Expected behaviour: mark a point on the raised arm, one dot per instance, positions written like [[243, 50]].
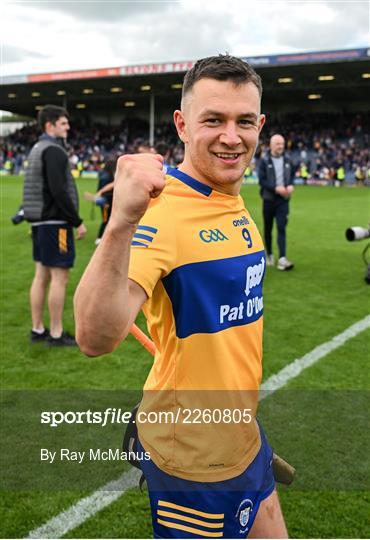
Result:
[[107, 187], [106, 302]]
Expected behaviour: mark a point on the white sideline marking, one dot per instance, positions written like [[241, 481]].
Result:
[[87, 507], [277, 381], [91, 505]]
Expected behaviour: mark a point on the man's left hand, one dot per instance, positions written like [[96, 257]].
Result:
[[81, 231]]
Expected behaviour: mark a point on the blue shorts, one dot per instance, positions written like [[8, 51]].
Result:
[[186, 509], [53, 245]]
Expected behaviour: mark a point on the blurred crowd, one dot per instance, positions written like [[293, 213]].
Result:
[[325, 147]]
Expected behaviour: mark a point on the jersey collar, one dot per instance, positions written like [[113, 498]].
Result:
[[189, 181]]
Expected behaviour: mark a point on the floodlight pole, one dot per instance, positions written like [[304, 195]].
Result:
[[151, 119]]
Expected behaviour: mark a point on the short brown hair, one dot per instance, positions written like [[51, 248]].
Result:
[[223, 67], [50, 113]]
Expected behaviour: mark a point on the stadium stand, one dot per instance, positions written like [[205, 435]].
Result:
[[317, 100], [324, 147]]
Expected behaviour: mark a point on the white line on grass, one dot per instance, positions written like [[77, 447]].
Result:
[[297, 366], [87, 507], [91, 505]]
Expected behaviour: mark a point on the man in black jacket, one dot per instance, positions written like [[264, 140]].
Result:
[[276, 178], [50, 201]]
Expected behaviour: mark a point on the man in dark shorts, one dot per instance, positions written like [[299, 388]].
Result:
[[182, 246], [50, 202]]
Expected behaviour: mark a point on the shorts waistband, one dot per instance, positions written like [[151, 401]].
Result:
[[49, 222]]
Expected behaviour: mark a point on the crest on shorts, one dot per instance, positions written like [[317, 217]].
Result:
[[243, 513]]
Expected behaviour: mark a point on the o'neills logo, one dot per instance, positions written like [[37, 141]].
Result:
[[254, 276], [241, 222]]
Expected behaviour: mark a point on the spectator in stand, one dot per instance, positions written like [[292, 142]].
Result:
[[164, 150], [328, 137], [178, 153], [360, 175], [303, 172], [276, 178], [144, 148], [340, 174]]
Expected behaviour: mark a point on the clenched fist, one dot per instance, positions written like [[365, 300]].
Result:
[[138, 178], [284, 191]]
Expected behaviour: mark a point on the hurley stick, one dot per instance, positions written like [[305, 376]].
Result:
[[283, 471]]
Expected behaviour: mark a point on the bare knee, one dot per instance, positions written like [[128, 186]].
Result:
[[59, 276], [269, 522], [42, 274]]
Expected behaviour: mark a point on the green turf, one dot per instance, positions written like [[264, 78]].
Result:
[[36, 367], [320, 298]]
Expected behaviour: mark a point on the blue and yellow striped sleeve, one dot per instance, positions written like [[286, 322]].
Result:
[[153, 247]]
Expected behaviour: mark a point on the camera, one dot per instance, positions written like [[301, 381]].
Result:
[[357, 233], [19, 216], [361, 233]]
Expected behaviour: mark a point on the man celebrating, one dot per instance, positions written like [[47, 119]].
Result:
[[183, 247], [50, 203], [276, 178]]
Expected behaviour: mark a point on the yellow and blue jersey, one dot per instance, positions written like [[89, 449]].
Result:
[[198, 255]]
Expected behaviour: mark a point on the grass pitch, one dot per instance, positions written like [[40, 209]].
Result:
[[317, 422]]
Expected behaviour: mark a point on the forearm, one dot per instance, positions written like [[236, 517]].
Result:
[[103, 309], [106, 301], [106, 188]]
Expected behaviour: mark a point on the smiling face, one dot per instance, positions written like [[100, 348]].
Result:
[[219, 124]]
